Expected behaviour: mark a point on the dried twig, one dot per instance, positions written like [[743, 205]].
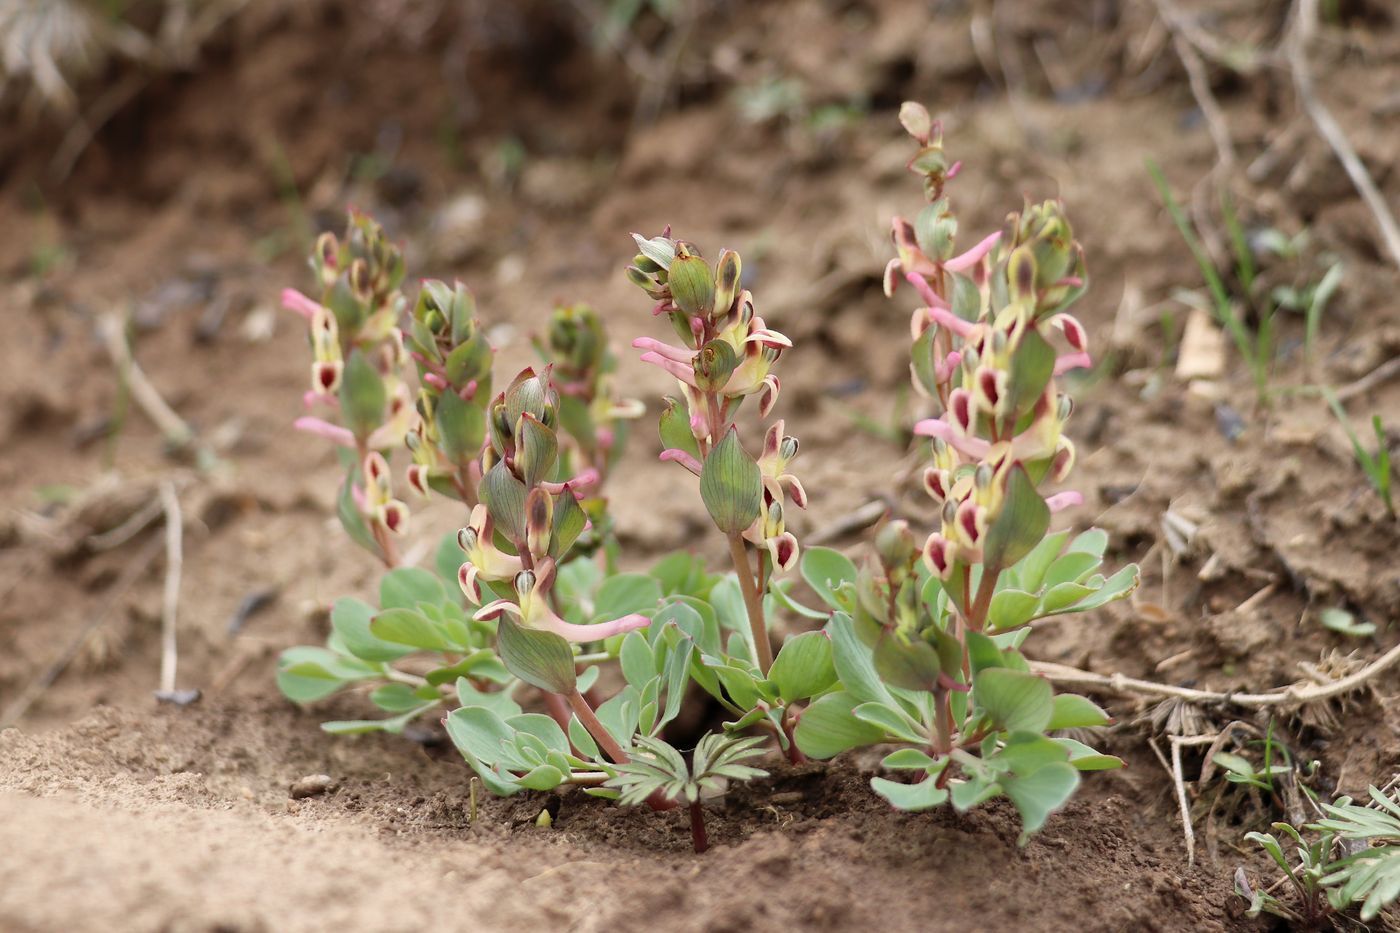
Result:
[[1304, 27], [1381, 374], [174, 562], [1294, 694], [177, 433], [1199, 82]]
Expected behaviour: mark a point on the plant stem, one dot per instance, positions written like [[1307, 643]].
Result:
[[558, 709], [698, 836], [596, 729], [753, 602], [977, 614]]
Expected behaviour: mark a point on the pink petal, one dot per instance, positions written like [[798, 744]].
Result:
[[595, 632], [681, 371], [1070, 361], [342, 437], [584, 480], [294, 300], [951, 321], [1064, 500], [926, 292], [663, 350], [683, 458], [972, 256], [972, 447]]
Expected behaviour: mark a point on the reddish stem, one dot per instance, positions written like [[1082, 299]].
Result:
[[698, 836]]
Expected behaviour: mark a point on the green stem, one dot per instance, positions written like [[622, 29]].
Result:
[[753, 603]]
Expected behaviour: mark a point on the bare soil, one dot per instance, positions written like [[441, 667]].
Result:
[[118, 813]]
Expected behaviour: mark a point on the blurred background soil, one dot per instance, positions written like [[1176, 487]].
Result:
[[515, 146]]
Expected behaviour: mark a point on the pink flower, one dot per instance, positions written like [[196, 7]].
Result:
[[295, 301]]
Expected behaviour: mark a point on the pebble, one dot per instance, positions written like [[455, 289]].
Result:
[[311, 786]]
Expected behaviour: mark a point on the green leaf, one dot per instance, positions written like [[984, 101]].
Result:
[[499, 702], [1016, 701], [308, 673], [393, 725], [924, 795], [1041, 793], [362, 395], [910, 759], [913, 665], [889, 721], [1030, 570], [504, 496], [350, 619], [1339, 620], [675, 429], [968, 794], [543, 728], [1032, 366], [536, 451], [1028, 752], [1094, 541], [406, 587], [461, 427], [481, 663], [479, 735], [854, 666], [1085, 758], [829, 727], [731, 485], [825, 570], [1061, 596], [395, 698], [982, 652], [1011, 609], [542, 777], [1119, 586], [1020, 525], [569, 522], [1072, 567], [626, 593], [541, 659], [1072, 711], [636, 659], [803, 667], [408, 627]]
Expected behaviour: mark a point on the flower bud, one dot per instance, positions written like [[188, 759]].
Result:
[[897, 548], [939, 555], [692, 283], [470, 585], [727, 276], [524, 583], [713, 365]]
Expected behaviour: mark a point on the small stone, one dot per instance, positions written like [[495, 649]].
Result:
[[312, 785]]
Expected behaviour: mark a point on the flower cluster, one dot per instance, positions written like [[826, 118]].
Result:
[[727, 354], [537, 514], [576, 345], [984, 347], [356, 371]]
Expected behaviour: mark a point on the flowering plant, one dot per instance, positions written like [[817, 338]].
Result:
[[927, 637], [920, 646]]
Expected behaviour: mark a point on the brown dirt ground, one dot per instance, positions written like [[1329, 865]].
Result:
[[118, 813]]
